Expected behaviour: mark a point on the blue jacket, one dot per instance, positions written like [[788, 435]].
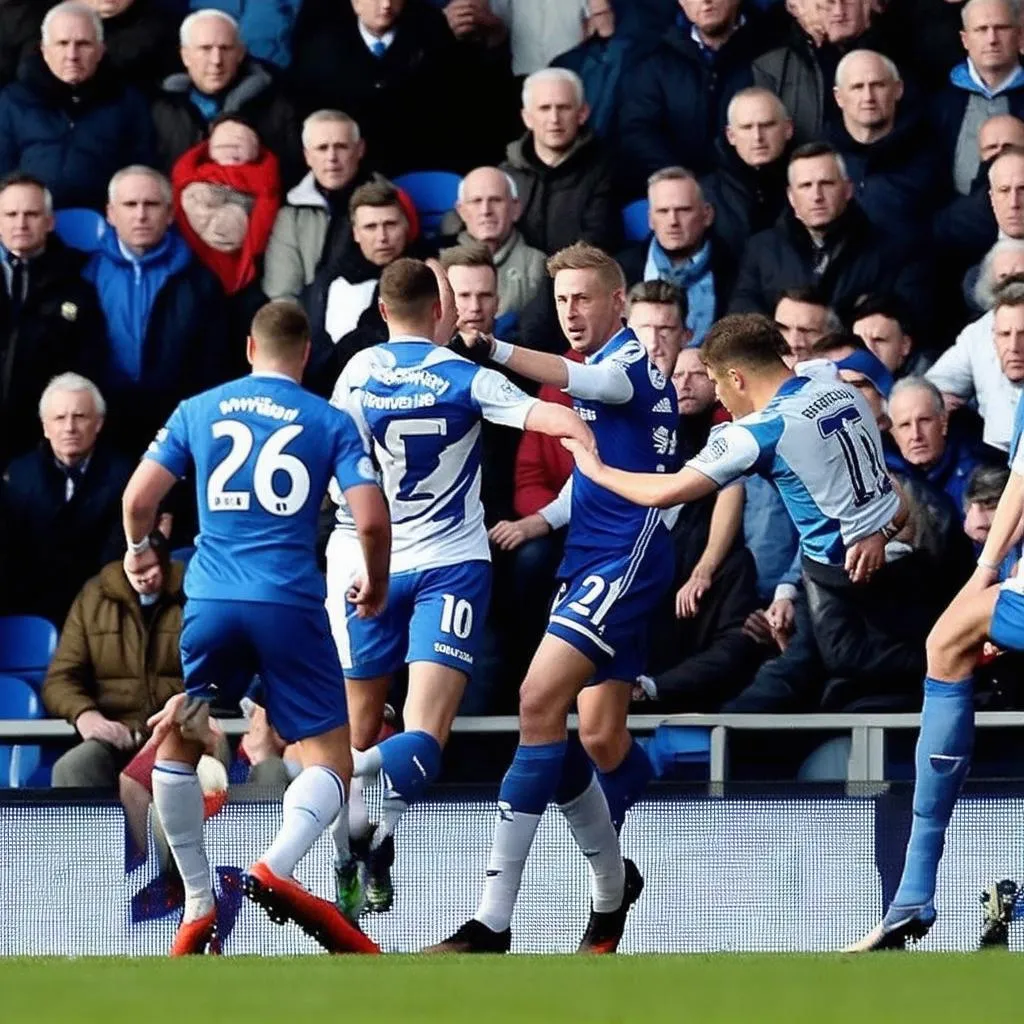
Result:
[[266, 25], [600, 63], [177, 311], [949, 475], [73, 139]]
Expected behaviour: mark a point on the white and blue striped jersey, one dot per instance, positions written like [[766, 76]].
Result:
[[818, 443], [421, 408]]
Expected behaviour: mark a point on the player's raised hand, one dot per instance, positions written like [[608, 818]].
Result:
[[509, 535], [865, 557], [449, 314], [370, 598]]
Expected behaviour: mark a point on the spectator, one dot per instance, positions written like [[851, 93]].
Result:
[[314, 220], [117, 664], [677, 98], [981, 499], [989, 82], [165, 311], [884, 326], [227, 191], [748, 191], [682, 250], [924, 447], [857, 365], [987, 364], [888, 154], [392, 67], [50, 320], [803, 318], [60, 505], [219, 78], [67, 119], [265, 28], [540, 29], [489, 207], [140, 40], [825, 241], [656, 312], [562, 174], [600, 61]]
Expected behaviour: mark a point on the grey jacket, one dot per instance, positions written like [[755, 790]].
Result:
[[522, 270]]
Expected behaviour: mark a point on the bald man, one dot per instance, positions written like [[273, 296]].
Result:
[[489, 207]]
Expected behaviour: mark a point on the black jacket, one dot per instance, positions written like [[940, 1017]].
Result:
[[59, 328], [255, 96], [49, 547], [565, 204], [862, 261], [142, 44], [746, 199]]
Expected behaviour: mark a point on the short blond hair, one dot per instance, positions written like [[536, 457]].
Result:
[[583, 256]]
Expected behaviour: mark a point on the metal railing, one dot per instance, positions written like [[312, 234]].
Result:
[[867, 732]]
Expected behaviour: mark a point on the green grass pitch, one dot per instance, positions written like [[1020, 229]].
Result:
[[931, 988]]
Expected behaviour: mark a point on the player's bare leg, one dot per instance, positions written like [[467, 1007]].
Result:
[[943, 759], [535, 778], [314, 799], [410, 761], [366, 699], [182, 731]]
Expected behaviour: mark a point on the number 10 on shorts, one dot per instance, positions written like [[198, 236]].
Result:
[[456, 616]]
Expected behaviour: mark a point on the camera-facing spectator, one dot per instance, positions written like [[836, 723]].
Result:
[[116, 665], [68, 119], [748, 190], [884, 326], [987, 361], [60, 505], [489, 206], [682, 249], [981, 499], [562, 172], [314, 221], [825, 241], [165, 312], [50, 320], [925, 449], [803, 318], [219, 78]]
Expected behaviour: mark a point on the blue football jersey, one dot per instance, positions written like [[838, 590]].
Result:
[[818, 443], [638, 435], [264, 451], [422, 406]]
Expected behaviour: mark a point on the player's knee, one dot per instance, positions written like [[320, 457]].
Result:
[[605, 743], [944, 646], [538, 707]]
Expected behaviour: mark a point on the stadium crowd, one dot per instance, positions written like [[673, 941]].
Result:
[[852, 168]]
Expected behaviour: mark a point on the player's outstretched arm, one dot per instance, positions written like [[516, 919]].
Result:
[[559, 421], [655, 490], [373, 525], [148, 486]]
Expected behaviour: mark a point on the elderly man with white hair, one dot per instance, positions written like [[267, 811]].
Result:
[[889, 154], [60, 505], [562, 173], [68, 119], [220, 78], [489, 207]]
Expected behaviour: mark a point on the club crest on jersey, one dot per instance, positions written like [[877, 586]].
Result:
[[365, 468], [657, 379]]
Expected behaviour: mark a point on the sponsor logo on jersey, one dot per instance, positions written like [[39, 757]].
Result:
[[387, 403], [585, 414], [664, 440], [662, 405], [364, 467], [716, 448], [453, 652]]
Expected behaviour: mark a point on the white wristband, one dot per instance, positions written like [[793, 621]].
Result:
[[502, 352], [140, 547], [984, 563]]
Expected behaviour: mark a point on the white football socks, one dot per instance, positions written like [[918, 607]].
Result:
[[178, 800], [592, 828], [513, 837], [366, 763], [313, 800]]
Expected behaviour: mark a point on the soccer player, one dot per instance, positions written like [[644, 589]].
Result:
[[617, 565], [263, 451], [422, 406]]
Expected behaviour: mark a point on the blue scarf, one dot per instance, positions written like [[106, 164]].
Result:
[[693, 276], [962, 78]]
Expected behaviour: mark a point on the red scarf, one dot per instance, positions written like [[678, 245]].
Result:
[[260, 180]]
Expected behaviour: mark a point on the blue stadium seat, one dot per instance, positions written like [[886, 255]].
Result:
[[27, 643], [17, 701], [81, 229], [673, 746], [433, 193], [183, 555], [634, 221]]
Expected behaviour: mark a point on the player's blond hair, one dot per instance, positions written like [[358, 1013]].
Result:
[[281, 329], [582, 256]]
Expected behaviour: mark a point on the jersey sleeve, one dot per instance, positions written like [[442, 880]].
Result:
[[731, 452], [352, 463], [613, 380], [171, 447], [499, 400]]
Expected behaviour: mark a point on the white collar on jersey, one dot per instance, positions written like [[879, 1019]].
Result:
[[410, 337], [273, 374], [594, 355]]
